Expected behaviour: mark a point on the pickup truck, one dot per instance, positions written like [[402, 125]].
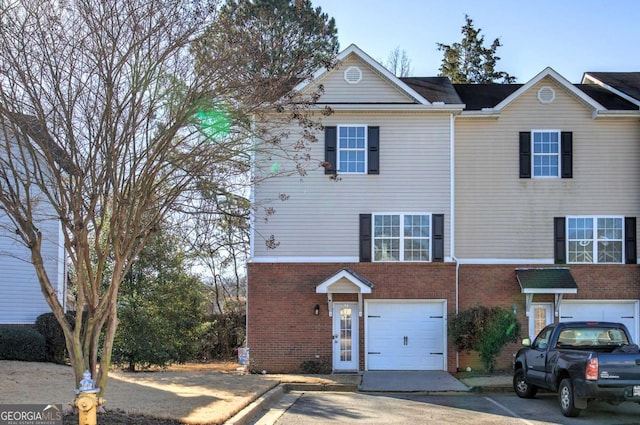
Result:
[[581, 361]]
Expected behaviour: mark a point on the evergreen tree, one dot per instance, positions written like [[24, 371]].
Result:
[[469, 61], [290, 39], [161, 307]]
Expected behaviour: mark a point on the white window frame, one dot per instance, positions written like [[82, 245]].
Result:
[[595, 240], [401, 237], [558, 155], [365, 150]]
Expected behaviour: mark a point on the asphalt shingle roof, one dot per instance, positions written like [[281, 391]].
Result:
[[478, 96], [434, 89], [545, 279], [627, 82], [606, 98]]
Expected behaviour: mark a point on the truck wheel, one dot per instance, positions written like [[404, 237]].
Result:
[[521, 387], [565, 397]]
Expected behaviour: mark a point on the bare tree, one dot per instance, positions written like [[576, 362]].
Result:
[[114, 117], [218, 238], [399, 63]]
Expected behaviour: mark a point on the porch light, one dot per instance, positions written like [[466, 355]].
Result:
[[316, 309]]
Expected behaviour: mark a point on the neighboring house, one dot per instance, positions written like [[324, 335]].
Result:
[[547, 195], [21, 299], [436, 198]]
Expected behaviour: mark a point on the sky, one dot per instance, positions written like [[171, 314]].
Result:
[[570, 36]]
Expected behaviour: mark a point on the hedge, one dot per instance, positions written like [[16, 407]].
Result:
[[21, 343]]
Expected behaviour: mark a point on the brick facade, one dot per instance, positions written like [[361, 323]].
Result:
[[283, 330], [496, 285]]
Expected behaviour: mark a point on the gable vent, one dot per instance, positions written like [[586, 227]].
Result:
[[353, 75], [546, 94]]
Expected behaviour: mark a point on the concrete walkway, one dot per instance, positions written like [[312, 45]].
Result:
[[410, 381]]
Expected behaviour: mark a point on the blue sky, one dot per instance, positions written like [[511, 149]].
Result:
[[571, 36]]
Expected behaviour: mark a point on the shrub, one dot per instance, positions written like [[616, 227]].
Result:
[[315, 367], [485, 330], [55, 345], [21, 343], [222, 334]]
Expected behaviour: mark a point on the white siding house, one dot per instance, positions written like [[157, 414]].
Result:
[[21, 297]]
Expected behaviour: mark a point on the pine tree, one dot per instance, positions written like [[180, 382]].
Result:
[[469, 61]]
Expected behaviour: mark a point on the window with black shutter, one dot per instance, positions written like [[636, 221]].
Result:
[[595, 240], [352, 149], [546, 153], [402, 237]]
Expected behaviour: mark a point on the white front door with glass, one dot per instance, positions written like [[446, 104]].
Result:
[[345, 336], [540, 315]]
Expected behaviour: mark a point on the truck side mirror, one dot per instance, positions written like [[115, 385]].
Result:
[[526, 342]]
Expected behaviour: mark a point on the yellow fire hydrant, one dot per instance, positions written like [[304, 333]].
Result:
[[87, 401]]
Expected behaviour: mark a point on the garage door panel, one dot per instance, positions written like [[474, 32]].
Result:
[[623, 312], [405, 336]]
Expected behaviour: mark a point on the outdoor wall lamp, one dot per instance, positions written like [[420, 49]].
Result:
[[316, 309], [515, 309]]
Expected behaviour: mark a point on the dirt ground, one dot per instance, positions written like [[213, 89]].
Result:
[[180, 394]]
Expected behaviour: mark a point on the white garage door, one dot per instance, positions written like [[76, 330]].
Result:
[[623, 312], [406, 335]]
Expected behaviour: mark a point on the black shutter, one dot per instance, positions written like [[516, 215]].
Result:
[[567, 154], [330, 149], [437, 243], [365, 238], [373, 160], [559, 241], [525, 155], [630, 254]]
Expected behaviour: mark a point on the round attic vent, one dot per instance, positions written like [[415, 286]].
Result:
[[546, 94], [353, 75]]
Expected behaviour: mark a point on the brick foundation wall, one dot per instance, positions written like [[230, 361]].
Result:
[[496, 285], [283, 330]]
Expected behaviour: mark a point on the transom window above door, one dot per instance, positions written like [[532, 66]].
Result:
[[402, 237], [352, 149], [546, 153]]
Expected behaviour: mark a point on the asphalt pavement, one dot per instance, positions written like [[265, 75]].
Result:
[[272, 404]]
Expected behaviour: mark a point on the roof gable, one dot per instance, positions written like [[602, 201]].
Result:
[[354, 51], [548, 72], [488, 100], [345, 281]]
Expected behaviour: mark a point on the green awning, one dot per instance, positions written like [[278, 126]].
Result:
[[546, 281]]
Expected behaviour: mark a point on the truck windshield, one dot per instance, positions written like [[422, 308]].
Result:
[[577, 337]]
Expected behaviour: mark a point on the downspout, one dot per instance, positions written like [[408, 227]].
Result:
[[452, 214], [252, 199]]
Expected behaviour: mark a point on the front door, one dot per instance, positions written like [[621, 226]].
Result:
[[345, 336], [540, 315]]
